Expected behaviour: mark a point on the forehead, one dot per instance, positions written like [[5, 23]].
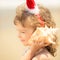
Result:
[[22, 28]]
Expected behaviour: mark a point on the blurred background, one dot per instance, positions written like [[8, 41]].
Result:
[[10, 46]]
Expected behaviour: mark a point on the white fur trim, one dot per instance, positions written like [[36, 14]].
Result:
[[33, 11]]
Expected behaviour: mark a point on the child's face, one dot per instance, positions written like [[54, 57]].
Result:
[[24, 33]]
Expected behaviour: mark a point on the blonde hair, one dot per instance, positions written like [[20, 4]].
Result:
[[22, 15]]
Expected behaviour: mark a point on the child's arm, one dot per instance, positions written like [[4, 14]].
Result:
[[28, 56], [31, 52]]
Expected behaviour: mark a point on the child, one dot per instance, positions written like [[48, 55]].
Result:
[[28, 23]]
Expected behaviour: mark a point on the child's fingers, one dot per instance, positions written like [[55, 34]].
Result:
[[51, 38]]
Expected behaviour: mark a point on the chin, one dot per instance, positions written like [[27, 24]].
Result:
[[25, 44]]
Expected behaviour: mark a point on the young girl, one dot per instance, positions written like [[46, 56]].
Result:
[[27, 24]]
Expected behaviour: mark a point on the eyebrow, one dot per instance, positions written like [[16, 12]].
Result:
[[21, 30]]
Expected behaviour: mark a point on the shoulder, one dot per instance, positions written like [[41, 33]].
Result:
[[44, 55], [41, 57]]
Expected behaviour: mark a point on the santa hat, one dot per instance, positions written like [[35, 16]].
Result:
[[33, 9]]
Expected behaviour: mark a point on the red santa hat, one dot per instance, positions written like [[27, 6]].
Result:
[[33, 9], [32, 6]]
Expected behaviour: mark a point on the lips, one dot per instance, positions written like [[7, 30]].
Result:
[[22, 40]]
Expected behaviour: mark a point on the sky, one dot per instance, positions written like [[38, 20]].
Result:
[[14, 3]]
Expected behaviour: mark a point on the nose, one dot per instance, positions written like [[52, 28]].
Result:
[[19, 36]]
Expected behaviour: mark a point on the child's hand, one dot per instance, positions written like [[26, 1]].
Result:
[[45, 35]]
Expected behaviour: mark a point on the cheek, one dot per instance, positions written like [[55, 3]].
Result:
[[28, 36]]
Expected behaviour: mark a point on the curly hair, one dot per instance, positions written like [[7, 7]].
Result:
[[22, 15]]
